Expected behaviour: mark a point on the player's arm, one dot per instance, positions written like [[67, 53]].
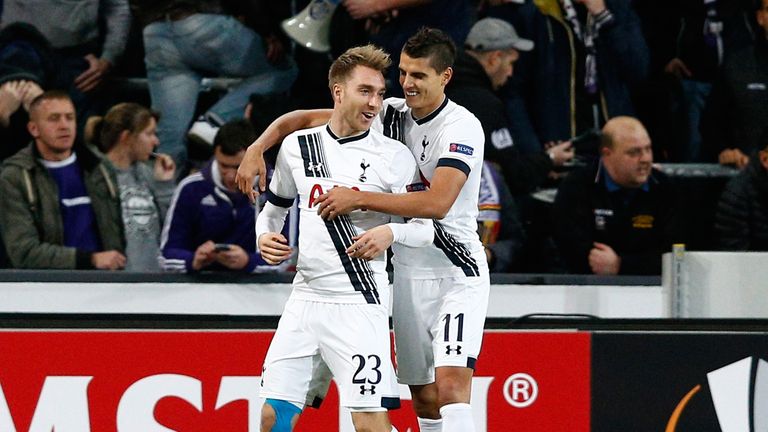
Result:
[[272, 245], [253, 164], [431, 204], [416, 233]]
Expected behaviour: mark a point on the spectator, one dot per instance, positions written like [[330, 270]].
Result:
[[27, 66], [210, 225], [738, 106], [498, 222], [706, 33], [616, 216], [583, 71], [74, 29], [60, 206], [389, 24], [127, 135], [741, 221], [185, 41], [491, 48]]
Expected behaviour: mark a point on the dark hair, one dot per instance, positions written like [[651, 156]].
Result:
[[367, 55], [234, 137], [105, 131], [433, 44], [48, 95]]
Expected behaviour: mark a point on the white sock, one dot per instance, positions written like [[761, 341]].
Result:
[[457, 417], [430, 425]]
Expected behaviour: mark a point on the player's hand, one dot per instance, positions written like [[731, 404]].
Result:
[[371, 243], [337, 201], [108, 260], [94, 75], [165, 167], [205, 254], [603, 260], [252, 167], [236, 258], [274, 248]]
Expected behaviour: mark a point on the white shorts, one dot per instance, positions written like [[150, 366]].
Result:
[[316, 340], [438, 322]]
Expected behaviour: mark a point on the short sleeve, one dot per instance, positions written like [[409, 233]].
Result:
[[463, 145], [406, 173], [282, 188]]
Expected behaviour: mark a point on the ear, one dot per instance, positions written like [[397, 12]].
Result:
[[123, 138], [447, 75], [763, 154], [605, 151], [337, 92], [33, 130]]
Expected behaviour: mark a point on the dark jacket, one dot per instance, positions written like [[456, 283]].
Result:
[[471, 87], [741, 221], [737, 109], [639, 231], [622, 62], [30, 216]]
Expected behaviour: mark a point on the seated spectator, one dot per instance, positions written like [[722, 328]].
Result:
[[87, 36], [741, 221], [738, 105], [186, 41], [210, 225], [618, 215], [498, 221], [127, 135], [60, 206]]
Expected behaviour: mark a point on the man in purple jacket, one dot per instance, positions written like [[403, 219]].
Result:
[[210, 225]]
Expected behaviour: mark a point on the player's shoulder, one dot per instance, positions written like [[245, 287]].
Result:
[[294, 136], [456, 114], [396, 103]]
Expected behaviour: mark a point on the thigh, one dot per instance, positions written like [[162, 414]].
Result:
[[354, 342], [415, 308], [293, 368], [458, 327]]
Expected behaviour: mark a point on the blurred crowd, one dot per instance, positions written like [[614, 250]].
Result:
[[119, 154]]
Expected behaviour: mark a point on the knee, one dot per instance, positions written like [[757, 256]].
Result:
[[371, 422], [425, 402], [278, 416], [454, 388]]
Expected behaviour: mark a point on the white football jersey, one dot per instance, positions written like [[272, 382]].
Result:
[[449, 136], [311, 162]]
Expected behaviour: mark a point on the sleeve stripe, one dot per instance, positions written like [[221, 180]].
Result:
[[278, 200], [454, 163]]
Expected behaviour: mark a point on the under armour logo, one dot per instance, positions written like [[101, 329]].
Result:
[[314, 167], [364, 166], [448, 349], [372, 389], [424, 144]]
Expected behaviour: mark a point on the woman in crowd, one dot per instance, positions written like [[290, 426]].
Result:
[[127, 135]]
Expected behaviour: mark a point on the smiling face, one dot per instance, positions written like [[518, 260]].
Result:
[[52, 125], [357, 100], [423, 86]]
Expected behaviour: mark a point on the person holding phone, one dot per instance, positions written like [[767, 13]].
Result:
[[210, 226]]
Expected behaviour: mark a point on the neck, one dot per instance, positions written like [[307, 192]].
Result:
[[52, 155], [341, 127], [120, 157], [420, 113]]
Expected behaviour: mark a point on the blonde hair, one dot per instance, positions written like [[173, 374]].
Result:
[[367, 55]]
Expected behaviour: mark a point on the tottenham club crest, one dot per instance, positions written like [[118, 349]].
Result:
[[424, 144], [364, 166]]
